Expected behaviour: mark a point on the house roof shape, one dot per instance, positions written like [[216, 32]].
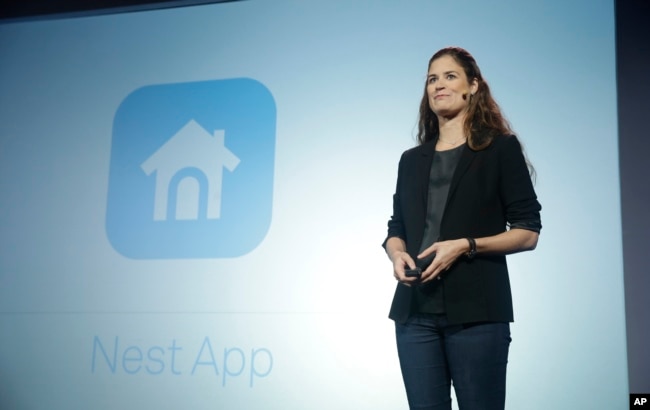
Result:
[[191, 146]]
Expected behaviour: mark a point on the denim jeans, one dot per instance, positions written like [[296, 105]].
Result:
[[433, 354]]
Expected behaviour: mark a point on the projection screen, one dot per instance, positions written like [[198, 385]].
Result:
[[192, 201]]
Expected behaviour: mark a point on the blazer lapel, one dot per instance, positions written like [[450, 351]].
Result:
[[466, 159], [419, 181], [424, 169]]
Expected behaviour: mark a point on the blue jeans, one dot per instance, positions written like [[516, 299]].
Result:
[[474, 356]]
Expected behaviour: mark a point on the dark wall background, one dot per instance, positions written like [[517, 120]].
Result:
[[38, 9], [633, 80]]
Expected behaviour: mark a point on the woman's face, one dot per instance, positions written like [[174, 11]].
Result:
[[448, 89]]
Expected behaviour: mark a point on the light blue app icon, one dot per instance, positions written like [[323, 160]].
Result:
[[191, 170]]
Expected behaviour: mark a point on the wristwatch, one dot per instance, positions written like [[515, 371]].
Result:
[[472, 248]]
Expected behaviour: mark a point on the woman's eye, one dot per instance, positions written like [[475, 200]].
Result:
[[450, 76], [432, 80]]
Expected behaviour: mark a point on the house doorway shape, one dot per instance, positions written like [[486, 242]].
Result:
[[192, 148]]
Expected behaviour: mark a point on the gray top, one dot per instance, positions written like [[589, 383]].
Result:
[[429, 298]]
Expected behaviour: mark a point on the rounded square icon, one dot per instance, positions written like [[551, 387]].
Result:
[[191, 170]]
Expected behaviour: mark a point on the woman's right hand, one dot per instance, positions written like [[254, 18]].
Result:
[[401, 261]]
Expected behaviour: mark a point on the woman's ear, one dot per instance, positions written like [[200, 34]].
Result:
[[474, 86]]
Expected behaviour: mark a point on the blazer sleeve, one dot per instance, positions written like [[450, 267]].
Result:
[[396, 222], [517, 193]]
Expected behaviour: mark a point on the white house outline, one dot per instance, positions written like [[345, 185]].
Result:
[[191, 147]]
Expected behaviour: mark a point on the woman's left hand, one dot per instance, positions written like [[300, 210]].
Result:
[[446, 254]]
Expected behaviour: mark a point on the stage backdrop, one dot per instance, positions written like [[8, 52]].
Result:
[[192, 202]]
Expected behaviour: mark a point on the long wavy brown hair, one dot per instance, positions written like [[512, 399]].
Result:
[[483, 121]]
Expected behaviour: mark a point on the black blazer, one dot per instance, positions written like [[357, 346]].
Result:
[[490, 189]]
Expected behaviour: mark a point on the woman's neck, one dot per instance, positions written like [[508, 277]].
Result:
[[451, 130]]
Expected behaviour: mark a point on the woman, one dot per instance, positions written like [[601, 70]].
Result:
[[464, 200]]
